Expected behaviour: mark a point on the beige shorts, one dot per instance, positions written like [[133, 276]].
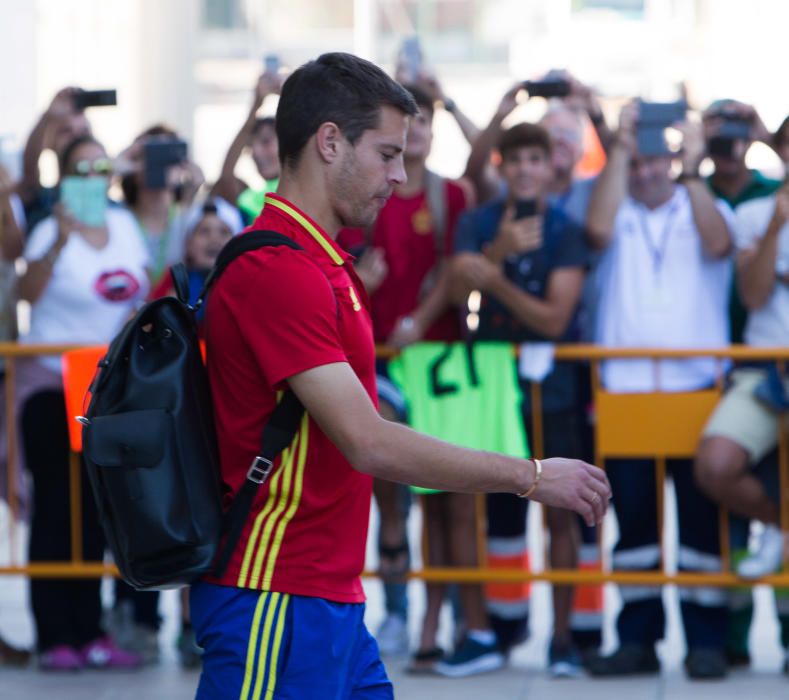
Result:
[[741, 417]]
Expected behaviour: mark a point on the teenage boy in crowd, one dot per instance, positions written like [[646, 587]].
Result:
[[744, 428], [259, 135], [564, 121], [530, 272], [734, 182], [401, 263], [664, 279], [287, 615]]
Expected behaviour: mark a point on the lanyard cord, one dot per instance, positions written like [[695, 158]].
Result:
[[657, 252]]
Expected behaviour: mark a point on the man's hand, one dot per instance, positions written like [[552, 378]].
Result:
[[372, 268], [509, 102], [474, 271], [62, 104], [626, 131], [515, 236], [67, 224], [267, 84], [574, 485], [407, 331], [694, 147]]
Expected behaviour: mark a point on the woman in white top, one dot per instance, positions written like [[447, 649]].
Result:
[[87, 270]]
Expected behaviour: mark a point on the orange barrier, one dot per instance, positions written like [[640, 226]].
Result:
[[655, 425]]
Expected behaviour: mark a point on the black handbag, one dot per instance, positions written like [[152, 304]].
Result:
[[150, 446]]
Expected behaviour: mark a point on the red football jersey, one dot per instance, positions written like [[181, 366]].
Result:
[[405, 232], [274, 313]]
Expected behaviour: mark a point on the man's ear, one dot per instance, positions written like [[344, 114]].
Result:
[[329, 141]]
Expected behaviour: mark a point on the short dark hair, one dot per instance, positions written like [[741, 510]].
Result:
[[339, 88], [262, 123], [524, 135], [422, 99], [71, 146]]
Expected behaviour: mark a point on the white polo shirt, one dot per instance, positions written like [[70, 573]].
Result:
[[768, 326], [658, 288]]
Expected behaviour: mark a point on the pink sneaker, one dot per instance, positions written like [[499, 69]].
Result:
[[61, 658], [104, 653]]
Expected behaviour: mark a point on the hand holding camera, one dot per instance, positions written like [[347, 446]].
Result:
[[693, 145], [626, 131], [518, 234]]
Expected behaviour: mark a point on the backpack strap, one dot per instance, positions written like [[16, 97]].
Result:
[[282, 425], [278, 433]]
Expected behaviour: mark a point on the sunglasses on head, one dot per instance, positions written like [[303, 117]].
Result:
[[100, 166]]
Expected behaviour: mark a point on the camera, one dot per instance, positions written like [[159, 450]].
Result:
[[734, 128], [271, 63], [548, 87], [95, 98], [158, 156], [653, 120], [411, 58], [525, 208]]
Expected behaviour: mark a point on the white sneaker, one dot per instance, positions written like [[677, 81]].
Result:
[[392, 636], [767, 558]]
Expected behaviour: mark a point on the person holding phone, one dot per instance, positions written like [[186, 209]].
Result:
[[664, 278], [86, 272], [257, 135], [527, 258]]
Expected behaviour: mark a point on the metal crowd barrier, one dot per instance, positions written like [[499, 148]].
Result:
[[657, 425]]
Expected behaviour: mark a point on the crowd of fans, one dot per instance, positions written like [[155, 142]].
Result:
[[520, 250]]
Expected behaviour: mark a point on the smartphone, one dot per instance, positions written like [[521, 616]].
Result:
[[732, 130], [662, 114], [271, 63], [549, 87], [95, 98], [85, 198], [525, 208], [158, 156], [411, 58]]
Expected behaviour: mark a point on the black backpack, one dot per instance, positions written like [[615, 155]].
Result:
[[149, 442]]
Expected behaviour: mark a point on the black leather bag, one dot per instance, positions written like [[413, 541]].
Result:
[[150, 447]]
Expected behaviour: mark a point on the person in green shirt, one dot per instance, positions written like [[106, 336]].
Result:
[[259, 136]]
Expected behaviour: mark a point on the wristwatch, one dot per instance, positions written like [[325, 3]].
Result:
[[450, 106]]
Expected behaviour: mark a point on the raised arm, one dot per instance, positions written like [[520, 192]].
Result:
[[715, 234], [228, 185], [61, 107], [10, 235], [478, 170], [611, 186], [756, 276], [392, 451]]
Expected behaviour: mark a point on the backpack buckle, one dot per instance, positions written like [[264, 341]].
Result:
[[259, 470]]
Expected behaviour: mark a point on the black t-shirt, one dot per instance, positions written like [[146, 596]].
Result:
[[563, 246]]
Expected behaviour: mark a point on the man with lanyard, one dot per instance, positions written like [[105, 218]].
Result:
[[287, 616], [664, 278]]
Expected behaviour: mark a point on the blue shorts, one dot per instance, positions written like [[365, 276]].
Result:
[[274, 646]]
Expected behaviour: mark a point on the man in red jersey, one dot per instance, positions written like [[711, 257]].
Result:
[[286, 618]]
